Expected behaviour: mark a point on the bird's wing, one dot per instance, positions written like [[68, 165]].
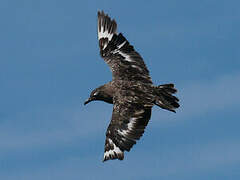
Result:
[[127, 125], [124, 62]]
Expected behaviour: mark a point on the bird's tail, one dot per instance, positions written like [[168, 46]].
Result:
[[165, 98]]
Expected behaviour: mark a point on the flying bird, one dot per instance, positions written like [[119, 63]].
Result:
[[131, 90]]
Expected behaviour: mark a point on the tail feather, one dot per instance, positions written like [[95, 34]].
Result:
[[165, 98]]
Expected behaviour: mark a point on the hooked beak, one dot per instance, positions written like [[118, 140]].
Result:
[[88, 100]]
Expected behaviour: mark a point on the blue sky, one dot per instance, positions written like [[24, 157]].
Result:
[[49, 63]]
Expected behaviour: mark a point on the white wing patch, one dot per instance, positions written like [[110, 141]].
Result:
[[125, 56], [137, 67], [116, 151], [104, 34], [130, 125], [121, 45]]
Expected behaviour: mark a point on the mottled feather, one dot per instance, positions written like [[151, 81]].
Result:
[[131, 91], [127, 125], [124, 62]]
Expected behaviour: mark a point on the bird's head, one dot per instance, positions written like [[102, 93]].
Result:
[[101, 95]]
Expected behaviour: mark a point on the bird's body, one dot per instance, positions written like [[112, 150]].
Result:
[[131, 91]]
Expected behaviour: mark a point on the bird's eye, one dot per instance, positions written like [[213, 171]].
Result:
[[95, 94]]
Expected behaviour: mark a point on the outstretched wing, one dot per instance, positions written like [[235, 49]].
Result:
[[127, 125], [125, 63]]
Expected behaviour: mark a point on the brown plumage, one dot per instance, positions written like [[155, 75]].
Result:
[[131, 91]]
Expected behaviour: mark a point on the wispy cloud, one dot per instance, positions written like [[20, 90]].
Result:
[[192, 159], [54, 128], [53, 125], [188, 161]]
